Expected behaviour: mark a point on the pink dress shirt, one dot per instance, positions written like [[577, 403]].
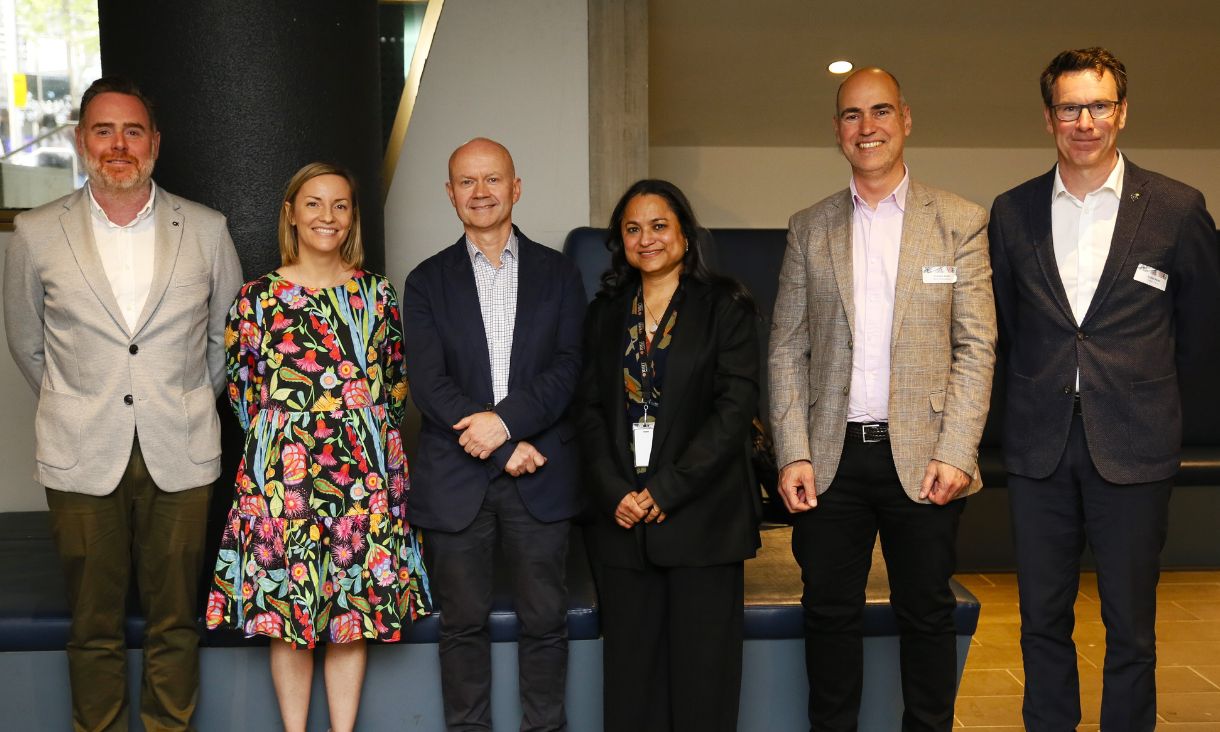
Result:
[[876, 237]]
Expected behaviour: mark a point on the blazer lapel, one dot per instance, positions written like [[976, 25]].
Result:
[[838, 229], [168, 220], [1131, 207], [466, 313], [917, 221], [78, 228], [1044, 243], [680, 363], [610, 351], [527, 300]]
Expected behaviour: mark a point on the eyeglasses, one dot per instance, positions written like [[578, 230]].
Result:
[[1097, 110]]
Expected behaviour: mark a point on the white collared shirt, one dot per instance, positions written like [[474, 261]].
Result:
[[1082, 231], [127, 254], [875, 240], [497, 290]]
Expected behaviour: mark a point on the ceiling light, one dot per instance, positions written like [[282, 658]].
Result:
[[839, 67]]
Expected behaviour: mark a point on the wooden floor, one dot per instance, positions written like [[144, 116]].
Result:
[[1188, 651]]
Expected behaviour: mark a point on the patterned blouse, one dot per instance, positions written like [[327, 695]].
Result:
[[644, 367]]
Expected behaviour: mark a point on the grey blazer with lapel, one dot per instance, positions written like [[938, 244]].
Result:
[[72, 344], [942, 349], [1132, 343]]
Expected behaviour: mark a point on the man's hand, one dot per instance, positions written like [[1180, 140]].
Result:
[[628, 513], [525, 459], [796, 486], [482, 433], [942, 482]]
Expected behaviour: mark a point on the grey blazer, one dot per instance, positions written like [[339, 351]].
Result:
[[942, 349], [1131, 346], [96, 382]]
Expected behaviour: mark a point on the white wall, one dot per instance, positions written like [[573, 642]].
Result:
[[760, 187], [513, 71], [18, 491]]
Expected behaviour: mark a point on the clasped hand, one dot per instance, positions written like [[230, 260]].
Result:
[[482, 434], [638, 506]]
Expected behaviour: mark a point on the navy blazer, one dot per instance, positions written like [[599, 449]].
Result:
[[1132, 346], [702, 476], [449, 372]]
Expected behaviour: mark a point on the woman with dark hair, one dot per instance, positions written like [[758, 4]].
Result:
[[317, 547], [669, 388]]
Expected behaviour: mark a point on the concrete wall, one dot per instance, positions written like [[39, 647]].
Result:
[[760, 187]]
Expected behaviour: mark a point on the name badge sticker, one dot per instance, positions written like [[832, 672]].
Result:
[[641, 442], [941, 275], [1151, 276]]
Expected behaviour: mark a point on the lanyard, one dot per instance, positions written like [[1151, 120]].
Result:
[[645, 354]]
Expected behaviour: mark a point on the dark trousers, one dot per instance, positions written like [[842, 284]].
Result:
[[833, 543], [1125, 525], [461, 569], [99, 538], [671, 649]]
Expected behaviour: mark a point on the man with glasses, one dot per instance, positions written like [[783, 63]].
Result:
[[882, 350], [1106, 281]]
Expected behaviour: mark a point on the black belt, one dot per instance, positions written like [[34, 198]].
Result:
[[868, 431]]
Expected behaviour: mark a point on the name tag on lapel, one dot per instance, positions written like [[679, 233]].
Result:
[[943, 275], [1151, 276]]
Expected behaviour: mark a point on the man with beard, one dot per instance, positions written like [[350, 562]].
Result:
[[115, 302]]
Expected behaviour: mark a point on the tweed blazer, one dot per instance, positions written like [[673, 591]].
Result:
[[1136, 344], [942, 350], [97, 381]]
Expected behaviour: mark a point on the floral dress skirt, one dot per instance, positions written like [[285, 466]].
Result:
[[317, 546]]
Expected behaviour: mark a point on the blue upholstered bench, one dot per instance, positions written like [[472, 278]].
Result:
[[402, 690]]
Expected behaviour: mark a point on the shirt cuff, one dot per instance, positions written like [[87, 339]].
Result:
[[508, 435]]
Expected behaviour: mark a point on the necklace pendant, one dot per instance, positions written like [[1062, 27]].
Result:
[[652, 328]]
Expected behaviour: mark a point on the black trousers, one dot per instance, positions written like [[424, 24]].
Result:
[[671, 648], [1125, 525], [833, 543], [460, 565]]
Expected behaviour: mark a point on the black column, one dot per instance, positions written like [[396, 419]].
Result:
[[248, 92]]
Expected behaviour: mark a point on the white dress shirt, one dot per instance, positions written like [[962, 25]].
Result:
[[1082, 231], [875, 240], [127, 255], [498, 303]]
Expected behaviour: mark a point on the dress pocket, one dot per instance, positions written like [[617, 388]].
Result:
[[57, 429]]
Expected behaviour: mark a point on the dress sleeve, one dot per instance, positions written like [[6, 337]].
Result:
[[392, 354], [244, 360]]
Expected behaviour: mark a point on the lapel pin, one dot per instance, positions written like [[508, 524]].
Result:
[[1135, 196]]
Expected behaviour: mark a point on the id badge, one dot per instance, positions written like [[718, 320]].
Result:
[[942, 275], [641, 441]]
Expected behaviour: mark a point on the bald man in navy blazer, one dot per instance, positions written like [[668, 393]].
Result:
[[1108, 290], [493, 328]]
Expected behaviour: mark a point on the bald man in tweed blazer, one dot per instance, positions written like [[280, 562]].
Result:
[[881, 358]]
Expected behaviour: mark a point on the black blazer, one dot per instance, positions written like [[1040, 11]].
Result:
[[450, 377], [702, 476], [1131, 347]]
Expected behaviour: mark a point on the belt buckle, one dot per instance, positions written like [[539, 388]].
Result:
[[877, 430]]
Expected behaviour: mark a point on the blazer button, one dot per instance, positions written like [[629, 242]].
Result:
[[1067, 389], [1080, 335], [128, 400], [133, 349], [845, 390]]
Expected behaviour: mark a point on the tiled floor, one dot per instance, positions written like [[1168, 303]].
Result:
[[1188, 651]]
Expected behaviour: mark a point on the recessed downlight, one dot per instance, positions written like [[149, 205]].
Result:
[[839, 67]]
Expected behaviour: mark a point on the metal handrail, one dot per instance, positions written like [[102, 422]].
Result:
[[39, 139]]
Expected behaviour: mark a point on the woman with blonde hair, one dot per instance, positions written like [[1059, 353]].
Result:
[[317, 547]]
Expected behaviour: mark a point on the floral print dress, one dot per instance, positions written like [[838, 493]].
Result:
[[317, 546]]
